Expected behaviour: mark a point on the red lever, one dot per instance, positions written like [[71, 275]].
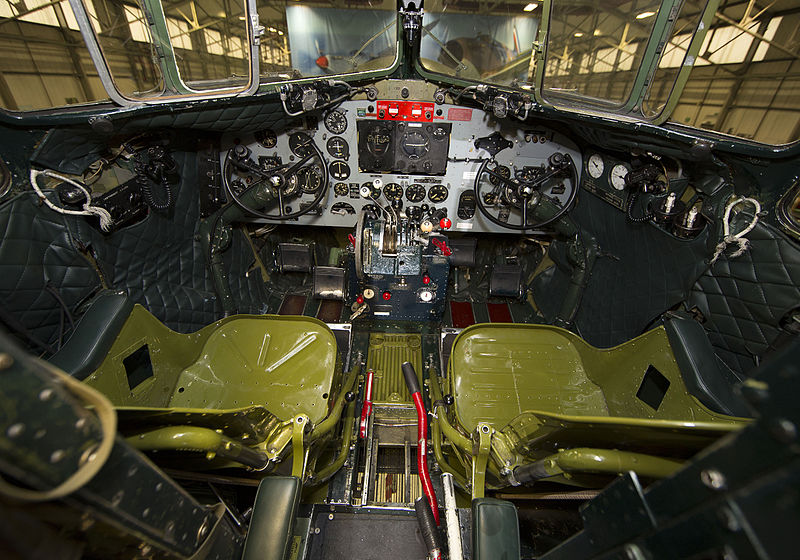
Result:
[[366, 410], [442, 247], [352, 239]]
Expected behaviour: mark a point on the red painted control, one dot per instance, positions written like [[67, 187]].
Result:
[[409, 111], [360, 300], [366, 410], [445, 223], [387, 295], [426, 279]]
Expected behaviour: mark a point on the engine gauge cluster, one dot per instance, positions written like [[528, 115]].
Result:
[[606, 177]]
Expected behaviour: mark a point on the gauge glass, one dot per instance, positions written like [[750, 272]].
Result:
[[415, 144], [310, 179], [339, 170], [341, 189], [374, 192], [378, 139], [393, 191], [336, 122], [501, 170], [437, 193], [338, 148], [415, 193], [595, 166], [292, 185], [618, 174], [267, 138], [300, 144]]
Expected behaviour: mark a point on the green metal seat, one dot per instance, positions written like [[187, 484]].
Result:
[[235, 393], [533, 402]]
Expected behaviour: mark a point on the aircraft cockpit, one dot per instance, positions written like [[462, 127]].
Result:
[[307, 280]]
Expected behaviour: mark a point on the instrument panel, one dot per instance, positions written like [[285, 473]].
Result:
[[423, 156]]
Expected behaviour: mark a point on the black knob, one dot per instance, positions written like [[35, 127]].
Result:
[[448, 399], [349, 396]]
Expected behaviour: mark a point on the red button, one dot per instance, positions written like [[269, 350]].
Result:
[[360, 300], [387, 295], [426, 279], [445, 223]]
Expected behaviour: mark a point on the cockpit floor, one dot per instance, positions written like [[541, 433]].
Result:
[[387, 352]]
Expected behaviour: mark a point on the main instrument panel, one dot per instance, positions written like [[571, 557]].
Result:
[[417, 157]]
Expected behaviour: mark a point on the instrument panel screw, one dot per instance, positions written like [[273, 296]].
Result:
[[713, 479], [5, 361]]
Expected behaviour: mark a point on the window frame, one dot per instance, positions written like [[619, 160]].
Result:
[[631, 108], [175, 89]]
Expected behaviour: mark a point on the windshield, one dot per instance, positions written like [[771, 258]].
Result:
[[305, 40], [478, 41]]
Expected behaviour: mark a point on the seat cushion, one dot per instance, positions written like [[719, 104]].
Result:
[[495, 530], [274, 513]]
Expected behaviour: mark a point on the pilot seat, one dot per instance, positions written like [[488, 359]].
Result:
[[240, 392], [531, 403]]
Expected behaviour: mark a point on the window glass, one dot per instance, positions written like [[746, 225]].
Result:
[[489, 42], [124, 38], [315, 39], [746, 78], [44, 62], [210, 43], [594, 51]]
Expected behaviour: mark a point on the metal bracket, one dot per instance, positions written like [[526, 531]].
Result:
[[298, 445], [480, 458]]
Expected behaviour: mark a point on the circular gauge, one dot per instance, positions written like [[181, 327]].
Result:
[[393, 191], [300, 144], [374, 192], [618, 174], [595, 166], [336, 122], [338, 148], [339, 170], [267, 138], [501, 170], [415, 192], [437, 193], [292, 185], [528, 173], [310, 179], [378, 139], [415, 144], [341, 189]]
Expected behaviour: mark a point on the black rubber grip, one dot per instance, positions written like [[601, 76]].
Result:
[[411, 378], [427, 524]]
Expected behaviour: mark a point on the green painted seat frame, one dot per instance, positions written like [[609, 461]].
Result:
[[236, 393], [526, 394]]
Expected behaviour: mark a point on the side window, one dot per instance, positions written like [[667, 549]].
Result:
[[44, 62], [745, 78]]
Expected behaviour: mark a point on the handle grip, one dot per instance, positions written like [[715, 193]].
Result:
[[411, 378]]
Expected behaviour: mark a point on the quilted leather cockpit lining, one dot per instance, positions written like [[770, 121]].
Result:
[[744, 299], [158, 262]]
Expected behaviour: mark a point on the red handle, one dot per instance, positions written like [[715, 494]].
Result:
[[422, 454], [366, 410]]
